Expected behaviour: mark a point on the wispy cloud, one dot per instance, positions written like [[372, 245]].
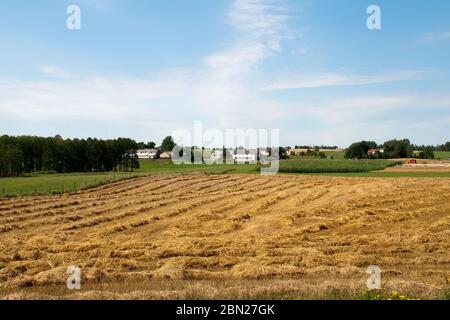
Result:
[[109, 99], [224, 89], [219, 91], [261, 26], [357, 109], [55, 72], [263, 21], [436, 36], [331, 79], [375, 117], [95, 4]]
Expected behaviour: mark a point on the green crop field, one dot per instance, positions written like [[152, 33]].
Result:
[[299, 165], [161, 166], [337, 155], [40, 184], [58, 183], [443, 155]]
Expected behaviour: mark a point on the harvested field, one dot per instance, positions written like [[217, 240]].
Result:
[[244, 236], [422, 166]]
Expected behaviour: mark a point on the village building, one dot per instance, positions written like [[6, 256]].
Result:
[[217, 155], [165, 155], [243, 158], [375, 152], [147, 153], [264, 153]]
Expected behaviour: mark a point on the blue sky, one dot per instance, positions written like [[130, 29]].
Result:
[[142, 69]]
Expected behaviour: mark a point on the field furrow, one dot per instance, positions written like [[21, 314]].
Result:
[[218, 227]]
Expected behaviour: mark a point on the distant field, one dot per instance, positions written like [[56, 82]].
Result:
[[385, 174], [63, 183], [58, 183], [167, 166], [42, 184], [293, 165], [338, 155], [299, 165], [443, 155]]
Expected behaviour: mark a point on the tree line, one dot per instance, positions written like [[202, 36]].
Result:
[[29, 154], [441, 147], [321, 147], [167, 145], [393, 149]]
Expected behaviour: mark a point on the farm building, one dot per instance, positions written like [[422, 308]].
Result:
[[264, 153], [147, 153], [374, 152], [242, 158], [165, 155]]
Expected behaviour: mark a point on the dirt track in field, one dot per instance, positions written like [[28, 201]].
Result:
[[202, 227]]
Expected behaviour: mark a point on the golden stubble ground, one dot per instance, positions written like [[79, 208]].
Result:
[[237, 236]]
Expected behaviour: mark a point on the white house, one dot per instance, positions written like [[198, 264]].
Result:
[[147, 153], [217, 155], [242, 158], [264, 153]]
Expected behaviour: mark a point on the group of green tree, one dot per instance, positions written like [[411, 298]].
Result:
[[167, 145], [321, 147], [315, 152], [393, 149], [28, 154], [143, 145], [225, 153], [441, 147]]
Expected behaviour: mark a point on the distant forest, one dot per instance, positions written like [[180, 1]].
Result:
[[393, 149], [28, 154]]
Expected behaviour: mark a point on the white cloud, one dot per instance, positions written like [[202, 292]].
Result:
[[96, 4], [263, 21], [355, 108], [224, 91], [340, 79], [261, 26], [424, 119], [55, 72], [219, 91], [436, 36], [105, 99], [155, 108]]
